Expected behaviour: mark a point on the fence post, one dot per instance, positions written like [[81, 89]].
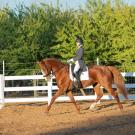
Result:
[[3, 67], [50, 81], [97, 61], [1, 91]]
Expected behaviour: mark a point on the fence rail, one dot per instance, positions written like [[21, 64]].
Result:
[[49, 88]]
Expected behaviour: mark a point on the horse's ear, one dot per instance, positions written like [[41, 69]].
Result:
[[38, 62]]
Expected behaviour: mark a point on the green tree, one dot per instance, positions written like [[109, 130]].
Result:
[[28, 34]]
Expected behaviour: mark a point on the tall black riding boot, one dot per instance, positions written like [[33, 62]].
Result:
[[77, 76], [73, 86]]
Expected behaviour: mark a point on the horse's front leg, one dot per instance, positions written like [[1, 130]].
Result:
[[57, 94]]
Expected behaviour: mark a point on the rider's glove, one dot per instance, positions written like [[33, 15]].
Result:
[[70, 60]]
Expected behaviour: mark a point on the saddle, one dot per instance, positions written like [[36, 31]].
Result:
[[83, 73]]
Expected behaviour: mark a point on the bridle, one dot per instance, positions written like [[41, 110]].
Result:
[[48, 71]]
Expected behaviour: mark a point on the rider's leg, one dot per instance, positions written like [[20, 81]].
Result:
[[76, 74]]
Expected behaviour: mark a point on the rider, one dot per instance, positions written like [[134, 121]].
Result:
[[78, 59]]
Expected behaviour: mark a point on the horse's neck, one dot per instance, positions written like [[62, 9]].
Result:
[[57, 66]]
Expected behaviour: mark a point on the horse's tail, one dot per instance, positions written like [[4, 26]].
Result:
[[119, 81]]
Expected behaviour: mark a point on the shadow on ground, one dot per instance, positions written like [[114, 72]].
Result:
[[120, 125]]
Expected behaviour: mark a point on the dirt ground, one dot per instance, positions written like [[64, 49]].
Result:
[[30, 119]]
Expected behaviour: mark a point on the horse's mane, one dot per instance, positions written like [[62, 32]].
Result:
[[54, 59]]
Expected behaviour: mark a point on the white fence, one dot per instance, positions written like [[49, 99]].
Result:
[[48, 88]]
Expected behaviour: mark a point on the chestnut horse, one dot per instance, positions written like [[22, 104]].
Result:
[[100, 75]]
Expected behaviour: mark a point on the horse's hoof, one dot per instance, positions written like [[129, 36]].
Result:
[[78, 110], [121, 110], [46, 112], [93, 109]]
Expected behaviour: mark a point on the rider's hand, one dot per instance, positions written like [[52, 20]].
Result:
[[70, 60]]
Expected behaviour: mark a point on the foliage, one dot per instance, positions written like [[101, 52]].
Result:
[[28, 34]]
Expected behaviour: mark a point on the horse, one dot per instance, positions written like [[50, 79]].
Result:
[[99, 76]]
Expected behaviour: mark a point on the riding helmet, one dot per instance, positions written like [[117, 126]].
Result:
[[79, 40]]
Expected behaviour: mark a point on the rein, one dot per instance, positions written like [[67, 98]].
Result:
[[48, 72], [57, 70]]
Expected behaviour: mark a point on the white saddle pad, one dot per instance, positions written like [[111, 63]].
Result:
[[84, 75]]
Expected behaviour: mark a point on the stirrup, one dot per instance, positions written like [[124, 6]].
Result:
[[77, 85], [73, 87]]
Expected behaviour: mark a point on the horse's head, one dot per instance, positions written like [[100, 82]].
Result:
[[45, 69], [50, 66]]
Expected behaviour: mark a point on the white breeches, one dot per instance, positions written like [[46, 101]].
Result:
[[77, 67]]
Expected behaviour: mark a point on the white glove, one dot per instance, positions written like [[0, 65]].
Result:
[[70, 60]]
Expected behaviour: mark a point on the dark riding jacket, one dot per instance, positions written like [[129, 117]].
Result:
[[79, 57]]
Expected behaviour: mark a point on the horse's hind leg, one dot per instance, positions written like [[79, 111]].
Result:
[[115, 95], [99, 94], [70, 94], [98, 91]]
